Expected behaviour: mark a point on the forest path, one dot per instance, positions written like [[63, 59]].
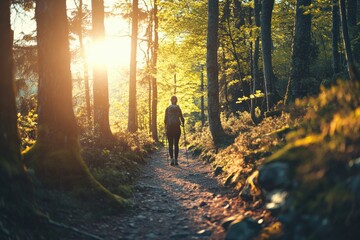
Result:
[[171, 202]]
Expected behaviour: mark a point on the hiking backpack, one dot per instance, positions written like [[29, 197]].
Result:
[[173, 116]]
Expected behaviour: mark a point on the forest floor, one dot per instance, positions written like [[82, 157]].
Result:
[[170, 202]]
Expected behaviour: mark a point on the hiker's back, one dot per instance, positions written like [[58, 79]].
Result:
[[173, 116]]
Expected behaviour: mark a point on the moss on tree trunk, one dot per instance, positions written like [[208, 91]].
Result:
[[55, 157]]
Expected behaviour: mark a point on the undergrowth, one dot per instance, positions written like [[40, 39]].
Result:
[[115, 166], [324, 158], [319, 137], [252, 144]]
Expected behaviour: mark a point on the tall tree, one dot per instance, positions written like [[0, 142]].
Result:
[[348, 51], [216, 128], [335, 30], [16, 193], [85, 64], [266, 15], [352, 12], [255, 64], [132, 117], [300, 59], [154, 57], [100, 77], [56, 157]]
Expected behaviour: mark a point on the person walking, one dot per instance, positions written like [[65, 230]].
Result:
[[173, 120]]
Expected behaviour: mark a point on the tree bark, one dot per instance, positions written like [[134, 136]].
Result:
[[100, 79], [56, 156], [85, 65], [132, 118], [335, 36], [16, 191], [216, 129], [300, 59], [266, 15], [348, 51], [154, 74], [352, 12], [238, 14], [255, 66], [202, 100]]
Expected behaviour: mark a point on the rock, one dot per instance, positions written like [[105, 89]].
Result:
[[206, 217], [229, 180], [245, 229], [355, 165], [180, 235], [227, 206], [152, 236], [204, 233], [274, 175], [225, 203], [225, 223], [245, 193], [218, 171], [276, 200], [354, 185], [320, 226], [202, 204], [132, 225], [141, 217]]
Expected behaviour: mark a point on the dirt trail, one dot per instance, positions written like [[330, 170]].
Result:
[[172, 202]]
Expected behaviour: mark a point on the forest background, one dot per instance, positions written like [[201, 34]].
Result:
[[182, 54], [267, 56]]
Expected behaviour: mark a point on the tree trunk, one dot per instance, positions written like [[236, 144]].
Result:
[[56, 156], [85, 66], [149, 102], [266, 15], [351, 12], [154, 74], [238, 14], [348, 51], [335, 36], [255, 66], [17, 210], [216, 129], [228, 29], [132, 118], [300, 59], [100, 79], [202, 95]]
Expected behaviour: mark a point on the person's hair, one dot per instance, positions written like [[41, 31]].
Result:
[[173, 99]]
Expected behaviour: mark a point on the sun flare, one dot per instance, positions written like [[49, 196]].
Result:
[[110, 52]]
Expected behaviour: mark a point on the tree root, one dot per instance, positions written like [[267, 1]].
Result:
[[77, 231]]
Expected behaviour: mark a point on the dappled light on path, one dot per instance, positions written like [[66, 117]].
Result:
[[182, 202], [170, 202]]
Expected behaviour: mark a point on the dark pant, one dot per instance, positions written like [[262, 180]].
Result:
[[173, 136]]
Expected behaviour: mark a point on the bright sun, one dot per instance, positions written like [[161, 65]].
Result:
[[113, 51]]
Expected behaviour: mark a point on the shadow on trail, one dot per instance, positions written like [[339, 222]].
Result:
[[170, 202]]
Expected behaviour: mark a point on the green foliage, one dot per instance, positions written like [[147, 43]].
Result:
[[27, 125], [321, 153], [117, 168], [258, 94], [252, 144], [200, 144]]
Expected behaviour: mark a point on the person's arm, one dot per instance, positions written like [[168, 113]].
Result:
[[165, 118], [182, 118]]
